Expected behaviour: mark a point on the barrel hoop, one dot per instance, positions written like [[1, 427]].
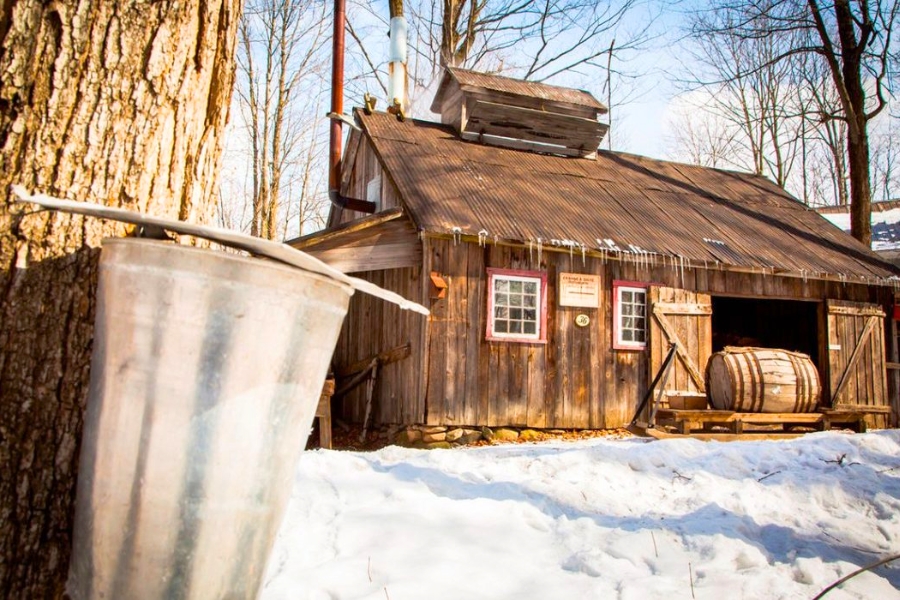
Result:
[[758, 383], [737, 382], [801, 398], [806, 396]]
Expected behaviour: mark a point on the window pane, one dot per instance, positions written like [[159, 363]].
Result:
[[627, 323], [627, 296], [627, 335], [627, 310], [639, 335], [515, 301], [639, 309]]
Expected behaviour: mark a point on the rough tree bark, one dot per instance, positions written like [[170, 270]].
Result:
[[122, 103]]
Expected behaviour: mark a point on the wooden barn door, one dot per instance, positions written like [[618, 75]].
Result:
[[683, 318], [856, 368]]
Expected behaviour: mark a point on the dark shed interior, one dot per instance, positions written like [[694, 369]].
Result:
[[785, 324]]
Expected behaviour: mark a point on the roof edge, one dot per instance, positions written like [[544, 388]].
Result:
[[317, 237]]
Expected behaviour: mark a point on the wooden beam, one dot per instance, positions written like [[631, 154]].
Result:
[[384, 358], [357, 259], [313, 239], [674, 308], [867, 311]]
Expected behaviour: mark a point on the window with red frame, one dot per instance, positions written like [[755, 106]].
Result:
[[517, 306], [629, 316]]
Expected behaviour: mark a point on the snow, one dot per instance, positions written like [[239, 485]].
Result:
[[885, 226], [605, 518]]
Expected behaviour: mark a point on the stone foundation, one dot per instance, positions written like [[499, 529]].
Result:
[[436, 436]]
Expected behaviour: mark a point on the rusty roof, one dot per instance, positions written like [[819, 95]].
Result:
[[516, 87], [619, 204]]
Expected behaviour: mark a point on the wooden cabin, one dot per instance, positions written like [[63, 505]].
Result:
[[558, 275]]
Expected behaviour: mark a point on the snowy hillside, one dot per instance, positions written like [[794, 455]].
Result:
[[607, 518]]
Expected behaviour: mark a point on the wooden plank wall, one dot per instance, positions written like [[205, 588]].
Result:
[[694, 331], [572, 381], [866, 380], [373, 326], [365, 167], [576, 380]]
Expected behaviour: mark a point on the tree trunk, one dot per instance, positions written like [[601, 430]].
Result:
[[860, 186], [122, 103]]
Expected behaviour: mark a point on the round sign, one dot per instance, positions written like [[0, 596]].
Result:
[[582, 320]]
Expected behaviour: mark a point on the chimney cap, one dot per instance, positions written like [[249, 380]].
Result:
[[473, 80]]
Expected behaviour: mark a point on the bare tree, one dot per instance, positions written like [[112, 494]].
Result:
[[537, 41], [122, 103], [280, 60], [702, 137], [751, 91], [854, 40]]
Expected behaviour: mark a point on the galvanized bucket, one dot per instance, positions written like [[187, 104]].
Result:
[[206, 371]]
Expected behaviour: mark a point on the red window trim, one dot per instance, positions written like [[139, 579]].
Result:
[[489, 334], [617, 345]]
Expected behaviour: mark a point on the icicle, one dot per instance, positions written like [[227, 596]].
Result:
[[530, 254], [482, 237], [540, 249], [583, 255], [457, 235]]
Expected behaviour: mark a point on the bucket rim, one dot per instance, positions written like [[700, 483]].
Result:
[[249, 260]]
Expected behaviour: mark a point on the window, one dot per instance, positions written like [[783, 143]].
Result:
[[517, 308], [629, 316], [373, 191]]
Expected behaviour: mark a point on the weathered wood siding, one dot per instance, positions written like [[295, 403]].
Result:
[[576, 379], [677, 315], [373, 326], [364, 166], [856, 376]]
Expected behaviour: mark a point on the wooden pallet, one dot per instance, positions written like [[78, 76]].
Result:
[[692, 422]]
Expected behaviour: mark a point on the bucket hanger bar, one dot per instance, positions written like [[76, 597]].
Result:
[[227, 237]]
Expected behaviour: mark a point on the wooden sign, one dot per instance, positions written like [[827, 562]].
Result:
[[576, 289]]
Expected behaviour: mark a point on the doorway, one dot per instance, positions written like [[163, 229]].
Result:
[[785, 324]]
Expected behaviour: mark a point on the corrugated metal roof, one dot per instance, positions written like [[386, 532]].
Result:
[[618, 203], [518, 87]]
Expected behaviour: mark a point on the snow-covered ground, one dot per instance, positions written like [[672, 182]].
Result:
[[604, 518]]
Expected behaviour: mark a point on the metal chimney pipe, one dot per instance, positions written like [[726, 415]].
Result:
[[337, 108], [337, 96], [397, 64]]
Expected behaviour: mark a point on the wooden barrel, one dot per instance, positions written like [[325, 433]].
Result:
[[762, 380]]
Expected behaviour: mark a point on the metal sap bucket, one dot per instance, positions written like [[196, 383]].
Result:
[[206, 371]]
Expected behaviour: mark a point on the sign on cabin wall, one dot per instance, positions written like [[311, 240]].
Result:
[[577, 289]]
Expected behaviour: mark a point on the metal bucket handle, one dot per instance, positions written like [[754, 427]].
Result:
[[257, 246]]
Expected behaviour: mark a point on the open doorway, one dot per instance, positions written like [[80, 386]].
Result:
[[786, 324]]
